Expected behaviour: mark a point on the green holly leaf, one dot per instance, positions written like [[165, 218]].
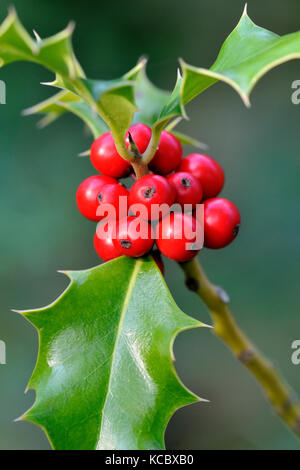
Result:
[[63, 102], [105, 376], [247, 54], [150, 99], [113, 100], [66, 101], [93, 121], [187, 140], [116, 103], [50, 107], [55, 52], [173, 107], [156, 107]]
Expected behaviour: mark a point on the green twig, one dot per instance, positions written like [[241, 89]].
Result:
[[140, 168], [153, 144], [277, 392]]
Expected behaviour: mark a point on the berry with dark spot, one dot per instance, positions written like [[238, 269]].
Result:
[[207, 171], [87, 195], [111, 194], [151, 191], [134, 237], [187, 187]]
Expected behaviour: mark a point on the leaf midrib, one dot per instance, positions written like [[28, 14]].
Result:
[[121, 321]]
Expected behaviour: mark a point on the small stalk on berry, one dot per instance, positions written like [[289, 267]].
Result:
[[140, 168]]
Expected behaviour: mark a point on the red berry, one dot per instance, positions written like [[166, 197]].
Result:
[[105, 158], [87, 192], [104, 245], [134, 237], [111, 194], [152, 191], [221, 222], [209, 173], [159, 262], [141, 135], [187, 187], [168, 155], [176, 234]]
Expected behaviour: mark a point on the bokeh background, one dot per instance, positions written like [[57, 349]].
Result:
[[41, 230]]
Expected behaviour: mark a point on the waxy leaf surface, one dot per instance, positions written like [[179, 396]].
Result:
[[105, 377]]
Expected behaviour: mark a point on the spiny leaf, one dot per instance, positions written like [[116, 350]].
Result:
[[187, 140], [94, 122], [55, 53], [52, 107], [183, 138], [247, 54], [149, 99], [156, 106], [113, 100], [105, 377], [172, 108], [62, 102]]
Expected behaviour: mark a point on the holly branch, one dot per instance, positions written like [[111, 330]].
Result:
[[283, 400], [122, 311]]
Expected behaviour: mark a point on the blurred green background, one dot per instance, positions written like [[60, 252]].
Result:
[[41, 230]]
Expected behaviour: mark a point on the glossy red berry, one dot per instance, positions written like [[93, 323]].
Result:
[[221, 222], [168, 155], [104, 245], [209, 173], [176, 236], [105, 158], [134, 237], [87, 192], [111, 194], [141, 134], [187, 187], [152, 191]]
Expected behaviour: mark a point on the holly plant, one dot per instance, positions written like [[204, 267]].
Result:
[[105, 376]]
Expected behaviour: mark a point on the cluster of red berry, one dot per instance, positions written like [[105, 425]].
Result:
[[195, 179]]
